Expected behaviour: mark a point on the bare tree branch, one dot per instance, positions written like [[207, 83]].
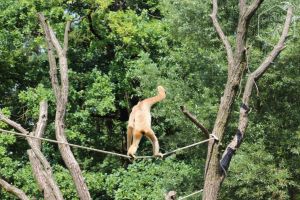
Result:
[[195, 121], [253, 7], [66, 37], [41, 124], [243, 119], [61, 103], [24, 131], [13, 190], [40, 165], [43, 175], [40, 176], [277, 49], [51, 57], [222, 36]]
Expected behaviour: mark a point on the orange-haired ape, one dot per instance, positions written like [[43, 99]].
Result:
[[139, 124]]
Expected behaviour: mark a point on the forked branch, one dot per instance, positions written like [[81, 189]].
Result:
[[254, 76], [222, 36], [253, 7], [61, 93], [40, 165]]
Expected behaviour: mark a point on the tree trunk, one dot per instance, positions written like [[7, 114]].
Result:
[[217, 165]]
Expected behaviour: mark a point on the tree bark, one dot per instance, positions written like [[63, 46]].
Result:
[[42, 174], [13, 190], [40, 166], [61, 94], [195, 121], [217, 165]]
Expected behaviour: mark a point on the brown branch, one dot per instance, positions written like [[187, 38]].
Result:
[[40, 175], [253, 7], [30, 142], [13, 124], [195, 121], [37, 159], [66, 37], [43, 175], [245, 15], [243, 118], [13, 190], [41, 124], [277, 49], [51, 57], [222, 36]]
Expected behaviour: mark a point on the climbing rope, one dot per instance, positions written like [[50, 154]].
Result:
[[213, 137]]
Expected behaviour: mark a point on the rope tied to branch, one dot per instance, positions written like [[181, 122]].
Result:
[[108, 152]]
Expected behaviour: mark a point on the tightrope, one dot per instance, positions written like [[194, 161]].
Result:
[[103, 151], [73, 145], [197, 192]]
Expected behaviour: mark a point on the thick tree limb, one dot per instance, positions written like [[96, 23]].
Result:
[[43, 175], [195, 121], [253, 7], [40, 166], [61, 103], [13, 190], [30, 142], [41, 124], [243, 119], [40, 175], [66, 37], [222, 36], [51, 57]]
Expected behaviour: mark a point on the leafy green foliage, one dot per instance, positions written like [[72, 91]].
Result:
[[150, 180], [99, 97], [119, 52], [254, 175], [32, 97]]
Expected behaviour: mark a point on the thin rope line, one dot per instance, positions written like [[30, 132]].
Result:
[[180, 198], [103, 151], [73, 145], [186, 147]]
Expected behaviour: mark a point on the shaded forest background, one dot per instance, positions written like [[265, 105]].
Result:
[[119, 51]]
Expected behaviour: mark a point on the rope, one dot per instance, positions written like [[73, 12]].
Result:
[[107, 152], [73, 145], [188, 146], [197, 192], [213, 137]]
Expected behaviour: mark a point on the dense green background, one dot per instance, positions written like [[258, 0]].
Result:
[[119, 51]]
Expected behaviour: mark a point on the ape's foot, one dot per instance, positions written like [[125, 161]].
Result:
[[159, 155]]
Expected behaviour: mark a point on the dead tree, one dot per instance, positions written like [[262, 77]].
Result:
[[60, 88], [40, 166], [217, 165]]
